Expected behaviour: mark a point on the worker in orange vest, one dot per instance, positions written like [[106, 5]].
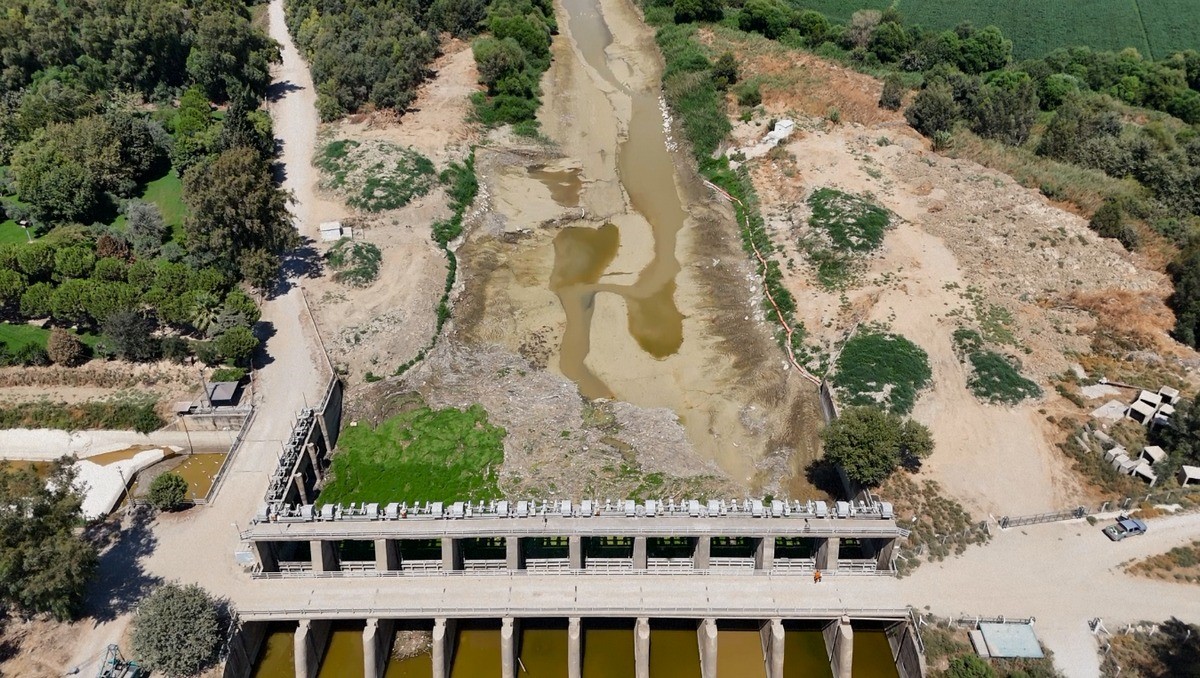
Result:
[[816, 576]]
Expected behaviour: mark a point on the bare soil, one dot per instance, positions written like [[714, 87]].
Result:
[[971, 248]]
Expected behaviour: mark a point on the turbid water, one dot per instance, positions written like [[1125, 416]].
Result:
[[607, 651], [647, 173], [674, 653], [804, 655], [542, 651], [476, 651], [344, 655], [740, 654], [873, 655]]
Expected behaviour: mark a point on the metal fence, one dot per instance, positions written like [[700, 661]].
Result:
[[1055, 516]]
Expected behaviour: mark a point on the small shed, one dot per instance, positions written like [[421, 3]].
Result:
[[222, 393], [1118, 460], [1151, 398], [1152, 454], [1169, 395], [1114, 452], [332, 231], [1189, 475], [1129, 466]]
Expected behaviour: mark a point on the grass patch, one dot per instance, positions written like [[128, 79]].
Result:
[[881, 369], [167, 193], [377, 175], [993, 376], [13, 336], [421, 454], [124, 413], [852, 222], [842, 227], [1038, 27], [942, 527], [354, 263]]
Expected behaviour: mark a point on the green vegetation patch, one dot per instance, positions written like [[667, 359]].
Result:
[[882, 369], [993, 376], [843, 227], [375, 175], [852, 222], [421, 454], [1038, 27], [354, 263], [123, 413]]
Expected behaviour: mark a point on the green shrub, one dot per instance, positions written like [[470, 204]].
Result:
[[355, 263], [176, 630], [881, 369], [993, 376], [852, 222], [375, 176], [228, 374], [167, 491]]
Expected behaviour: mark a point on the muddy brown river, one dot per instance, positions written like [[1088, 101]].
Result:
[[614, 258]]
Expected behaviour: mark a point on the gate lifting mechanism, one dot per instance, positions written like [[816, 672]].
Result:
[[115, 666]]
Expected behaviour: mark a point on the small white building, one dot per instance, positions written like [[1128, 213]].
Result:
[[1189, 475], [1152, 454], [332, 231]]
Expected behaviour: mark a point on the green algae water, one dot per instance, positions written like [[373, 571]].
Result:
[[740, 654], [873, 655], [277, 657], [607, 651], [543, 651], [476, 651], [804, 655], [674, 653]]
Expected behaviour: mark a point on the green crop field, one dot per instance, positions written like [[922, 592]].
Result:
[[1154, 27]]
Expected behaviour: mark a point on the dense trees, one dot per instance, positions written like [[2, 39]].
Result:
[[177, 630], [869, 444], [371, 51], [234, 210], [512, 81], [44, 563]]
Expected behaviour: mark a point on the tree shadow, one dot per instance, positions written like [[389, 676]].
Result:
[[278, 90], [120, 579], [263, 330], [303, 261], [823, 475]]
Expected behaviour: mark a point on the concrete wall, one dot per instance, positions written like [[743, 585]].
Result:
[[242, 649], [50, 444], [906, 649]]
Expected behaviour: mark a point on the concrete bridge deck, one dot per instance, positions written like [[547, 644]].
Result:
[[460, 595]]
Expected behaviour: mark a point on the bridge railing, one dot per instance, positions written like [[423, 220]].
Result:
[[852, 568], [414, 610]]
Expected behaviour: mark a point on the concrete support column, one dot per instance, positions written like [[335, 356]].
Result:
[[377, 645], [702, 553], [324, 555], [575, 551], [316, 463], [387, 555], [300, 488], [764, 554], [707, 636], [639, 553], [320, 417], [832, 546], [512, 547], [451, 554], [442, 652], [574, 647], [308, 646], [641, 647], [508, 648], [883, 561], [265, 552], [774, 647], [845, 648]]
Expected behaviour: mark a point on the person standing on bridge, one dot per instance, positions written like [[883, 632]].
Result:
[[816, 576]]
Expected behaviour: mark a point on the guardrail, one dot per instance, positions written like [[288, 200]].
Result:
[[222, 472], [1017, 521], [516, 529], [416, 611], [624, 569]]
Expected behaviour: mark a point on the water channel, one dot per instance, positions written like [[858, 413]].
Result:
[[608, 651], [583, 255]]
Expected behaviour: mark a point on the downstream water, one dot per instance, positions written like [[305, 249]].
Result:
[[476, 651], [607, 651], [873, 655], [543, 651], [674, 653], [804, 655], [344, 655], [740, 654], [582, 257]]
